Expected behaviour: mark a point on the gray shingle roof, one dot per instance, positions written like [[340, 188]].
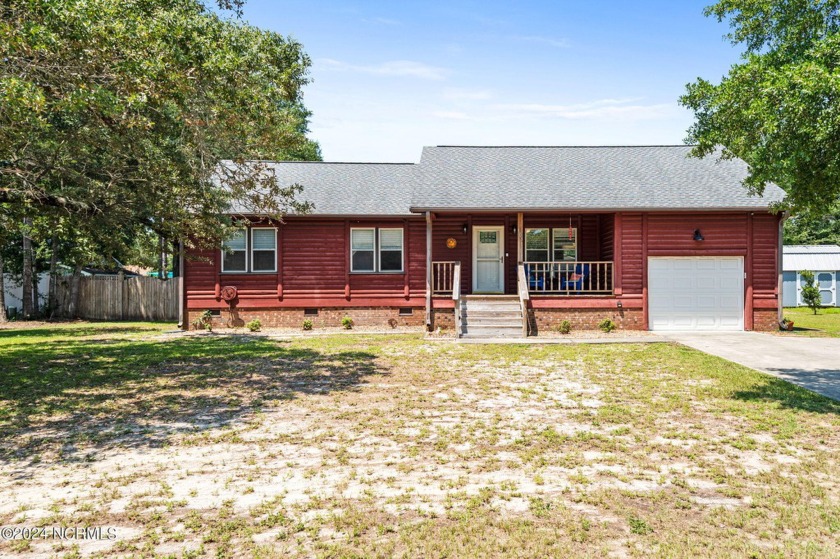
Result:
[[349, 188], [526, 178], [642, 177]]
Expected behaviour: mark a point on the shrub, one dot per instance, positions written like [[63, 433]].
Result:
[[347, 322], [810, 292], [564, 327], [307, 324], [204, 321], [607, 325], [254, 325]]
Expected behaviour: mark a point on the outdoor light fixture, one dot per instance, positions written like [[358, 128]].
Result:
[[697, 235], [465, 228], [618, 304], [514, 229]]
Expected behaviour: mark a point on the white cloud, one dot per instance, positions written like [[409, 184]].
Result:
[[550, 41], [601, 109], [398, 68]]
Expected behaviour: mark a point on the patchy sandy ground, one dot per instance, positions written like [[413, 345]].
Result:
[[396, 446]]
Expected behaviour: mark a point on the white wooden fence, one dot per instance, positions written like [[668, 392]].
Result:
[[118, 298]]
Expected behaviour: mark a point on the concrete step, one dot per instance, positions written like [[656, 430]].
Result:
[[493, 333], [491, 308], [489, 313], [490, 322]]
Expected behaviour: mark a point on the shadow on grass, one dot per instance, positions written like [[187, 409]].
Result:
[[66, 400], [791, 396], [70, 330]]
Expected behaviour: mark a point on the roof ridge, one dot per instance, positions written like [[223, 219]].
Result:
[[574, 146]]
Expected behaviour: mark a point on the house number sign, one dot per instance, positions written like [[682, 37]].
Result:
[[451, 243]]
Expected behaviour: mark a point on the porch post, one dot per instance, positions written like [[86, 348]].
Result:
[[520, 235], [429, 271]]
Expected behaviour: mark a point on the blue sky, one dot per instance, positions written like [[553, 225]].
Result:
[[391, 77]]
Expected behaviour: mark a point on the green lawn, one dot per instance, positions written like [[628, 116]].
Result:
[[825, 322], [217, 445]]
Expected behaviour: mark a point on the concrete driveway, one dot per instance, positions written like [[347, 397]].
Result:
[[813, 363]]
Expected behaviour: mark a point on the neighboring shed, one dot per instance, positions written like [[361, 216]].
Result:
[[823, 260]]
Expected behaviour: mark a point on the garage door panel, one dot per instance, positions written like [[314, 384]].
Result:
[[696, 293]]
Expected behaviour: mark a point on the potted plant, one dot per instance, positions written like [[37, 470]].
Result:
[[786, 324]]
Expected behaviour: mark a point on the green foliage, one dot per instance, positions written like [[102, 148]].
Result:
[[564, 327], [810, 292], [777, 109], [204, 321], [307, 324], [347, 322], [116, 116], [810, 228], [254, 325], [638, 526], [607, 325]]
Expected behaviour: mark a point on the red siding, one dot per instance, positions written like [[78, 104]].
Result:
[[632, 254], [314, 258], [765, 253]]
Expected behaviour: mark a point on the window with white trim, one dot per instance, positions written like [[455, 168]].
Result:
[[235, 252], [536, 245], [375, 250], [390, 250], [263, 249], [551, 245], [565, 244], [363, 250]]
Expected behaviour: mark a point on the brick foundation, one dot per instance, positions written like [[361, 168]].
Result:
[[326, 317], [765, 320], [443, 318], [585, 319]]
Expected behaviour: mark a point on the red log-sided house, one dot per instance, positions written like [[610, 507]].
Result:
[[507, 240]]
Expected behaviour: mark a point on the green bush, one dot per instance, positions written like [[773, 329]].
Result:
[[204, 321], [254, 325], [564, 327], [810, 291], [347, 322], [607, 325], [307, 324]]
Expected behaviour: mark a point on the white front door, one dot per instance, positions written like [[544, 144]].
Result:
[[696, 293], [488, 259]]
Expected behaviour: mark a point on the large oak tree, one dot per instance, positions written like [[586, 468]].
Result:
[[115, 114], [779, 108]]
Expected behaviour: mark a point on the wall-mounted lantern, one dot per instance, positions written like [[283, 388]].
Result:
[[697, 235]]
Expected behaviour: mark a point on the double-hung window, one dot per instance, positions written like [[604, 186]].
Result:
[[551, 245], [263, 249], [376, 249], [250, 250], [235, 252], [565, 244]]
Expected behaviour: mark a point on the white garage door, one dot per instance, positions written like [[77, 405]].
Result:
[[702, 293]]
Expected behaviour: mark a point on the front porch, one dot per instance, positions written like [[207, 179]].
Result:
[[552, 260]]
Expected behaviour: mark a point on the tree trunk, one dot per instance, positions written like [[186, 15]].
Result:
[[162, 259], [26, 288], [52, 294], [74, 291], [3, 317]]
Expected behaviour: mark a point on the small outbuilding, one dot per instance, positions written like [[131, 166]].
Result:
[[823, 260]]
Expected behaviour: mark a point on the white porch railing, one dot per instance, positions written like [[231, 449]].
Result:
[[456, 298], [569, 278], [522, 289], [443, 276]]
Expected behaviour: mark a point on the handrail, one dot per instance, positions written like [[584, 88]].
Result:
[[442, 276], [522, 288], [456, 297]]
